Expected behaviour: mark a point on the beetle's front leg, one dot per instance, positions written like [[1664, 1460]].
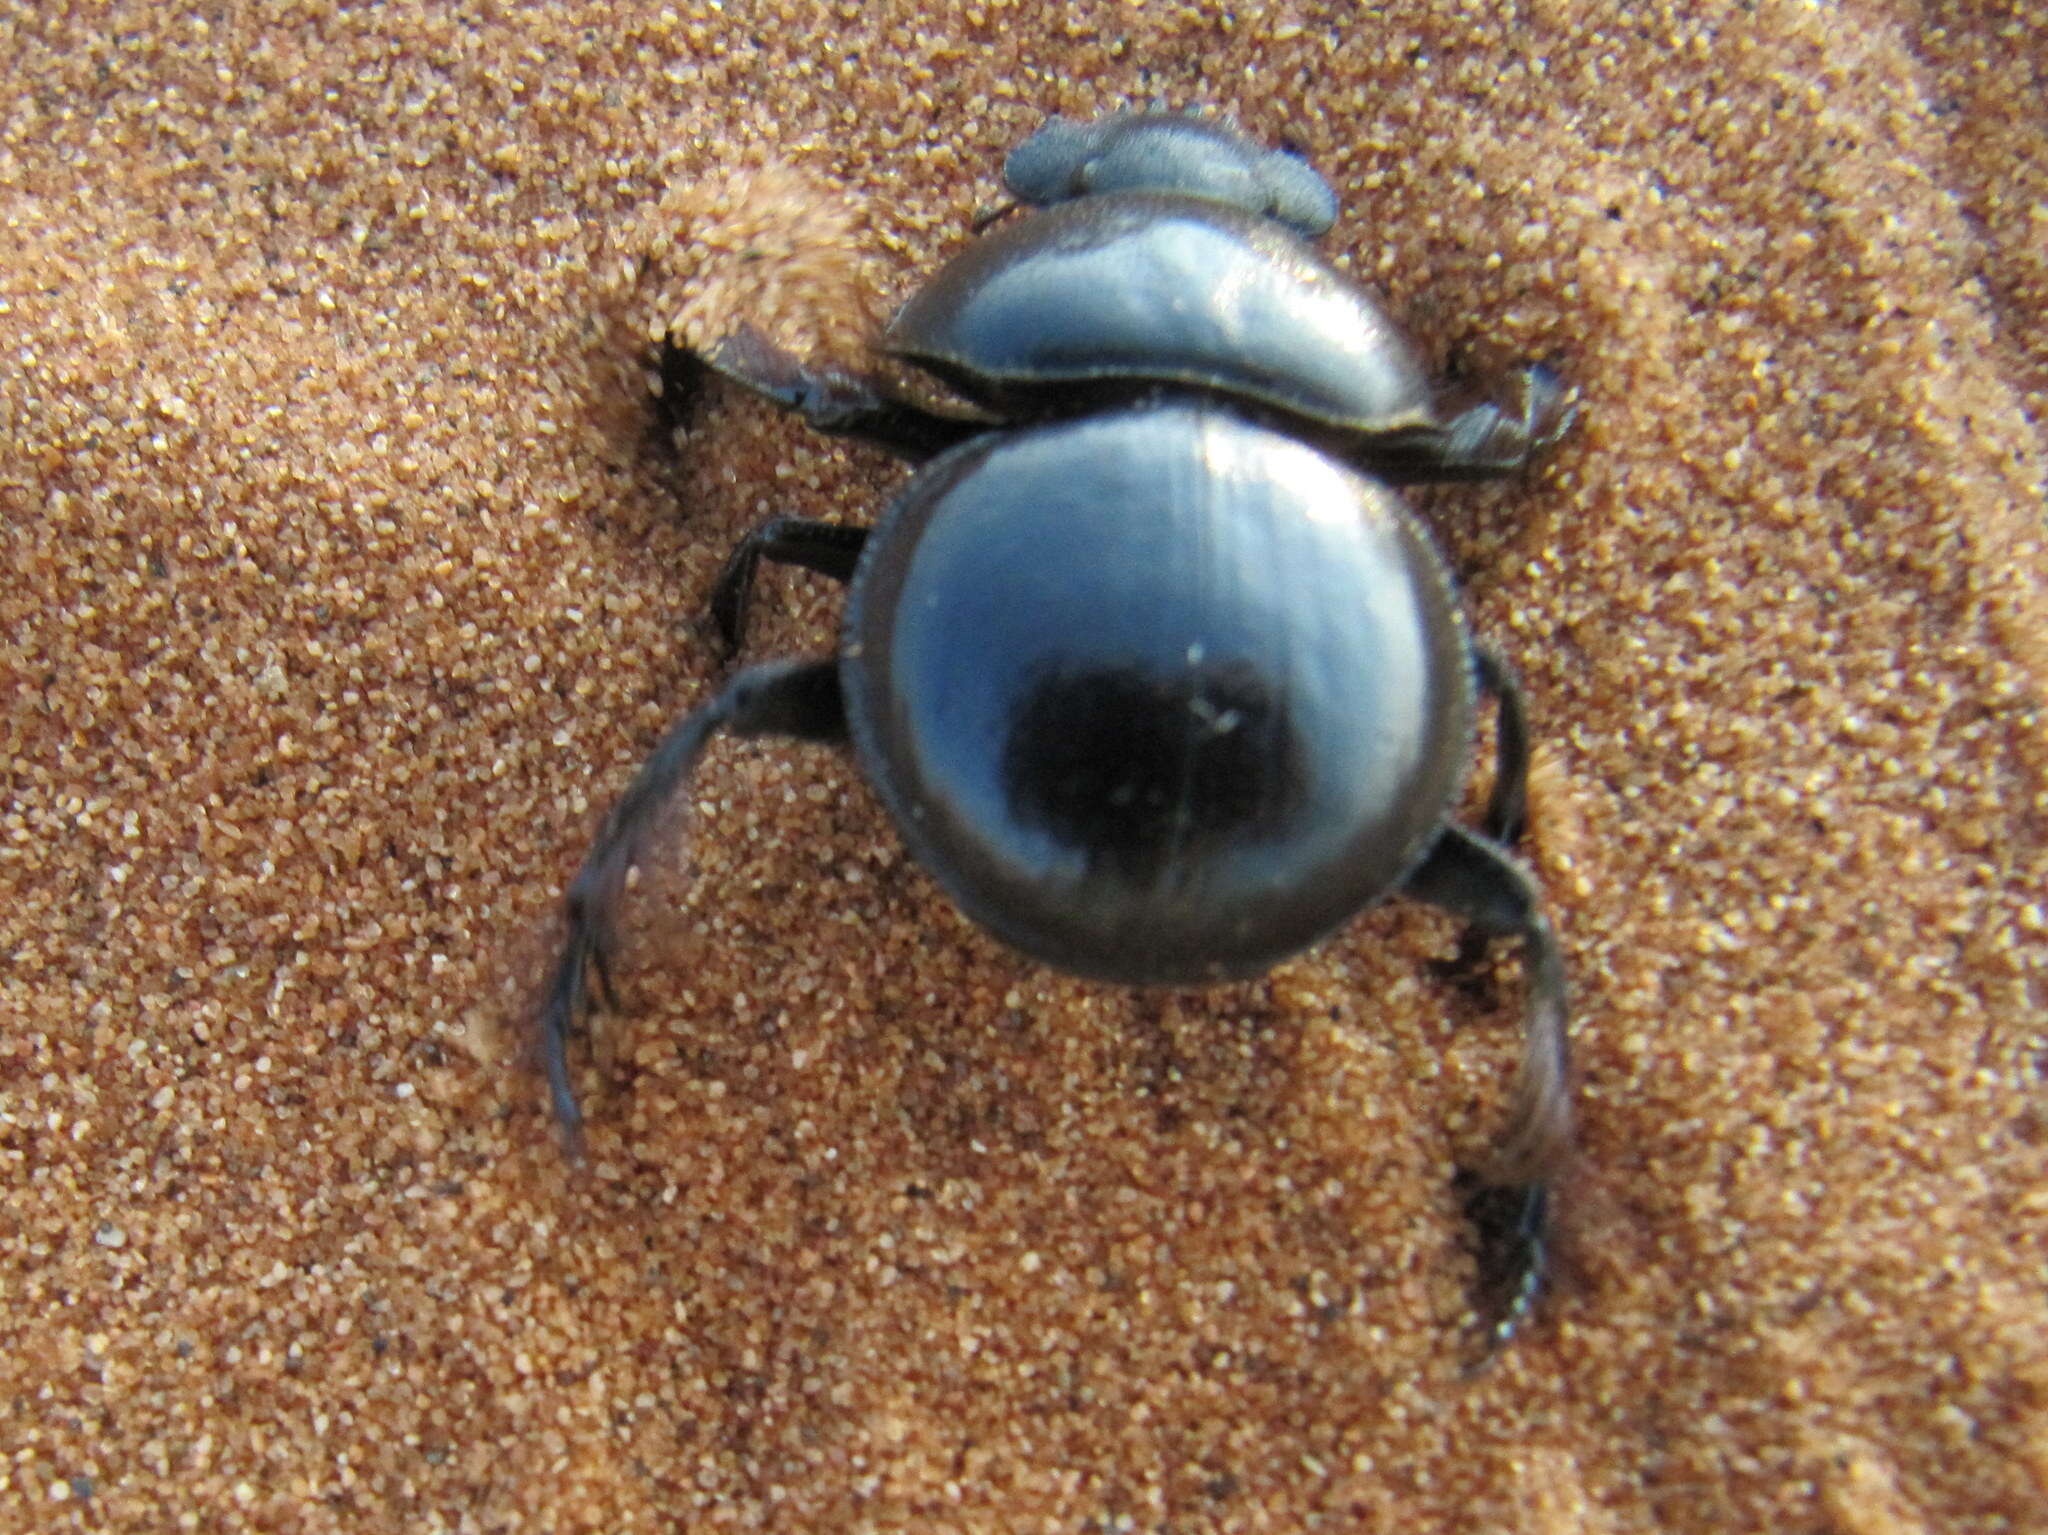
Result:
[[1488, 440], [834, 400]]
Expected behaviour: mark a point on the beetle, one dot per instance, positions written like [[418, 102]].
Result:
[[1149, 665]]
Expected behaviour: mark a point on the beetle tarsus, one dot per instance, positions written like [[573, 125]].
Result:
[[557, 1023], [1510, 1223]]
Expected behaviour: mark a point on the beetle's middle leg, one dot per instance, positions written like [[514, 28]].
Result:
[[828, 548]]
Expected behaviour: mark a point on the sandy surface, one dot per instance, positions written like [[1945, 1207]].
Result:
[[348, 573]]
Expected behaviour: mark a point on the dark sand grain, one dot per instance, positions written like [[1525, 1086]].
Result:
[[347, 575]]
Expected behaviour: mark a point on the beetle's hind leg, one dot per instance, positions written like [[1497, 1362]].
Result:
[[790, 698], [1484, 441], [829, 548], [1508, 1200], [833, 400]]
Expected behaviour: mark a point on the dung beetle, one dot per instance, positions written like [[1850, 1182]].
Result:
[[1152, 670]]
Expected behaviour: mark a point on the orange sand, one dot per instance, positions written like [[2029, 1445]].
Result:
[[348, 576]]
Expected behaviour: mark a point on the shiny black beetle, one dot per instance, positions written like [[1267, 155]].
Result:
[[1157, 677]]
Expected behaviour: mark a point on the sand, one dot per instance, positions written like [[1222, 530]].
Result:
[[349, 571]]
